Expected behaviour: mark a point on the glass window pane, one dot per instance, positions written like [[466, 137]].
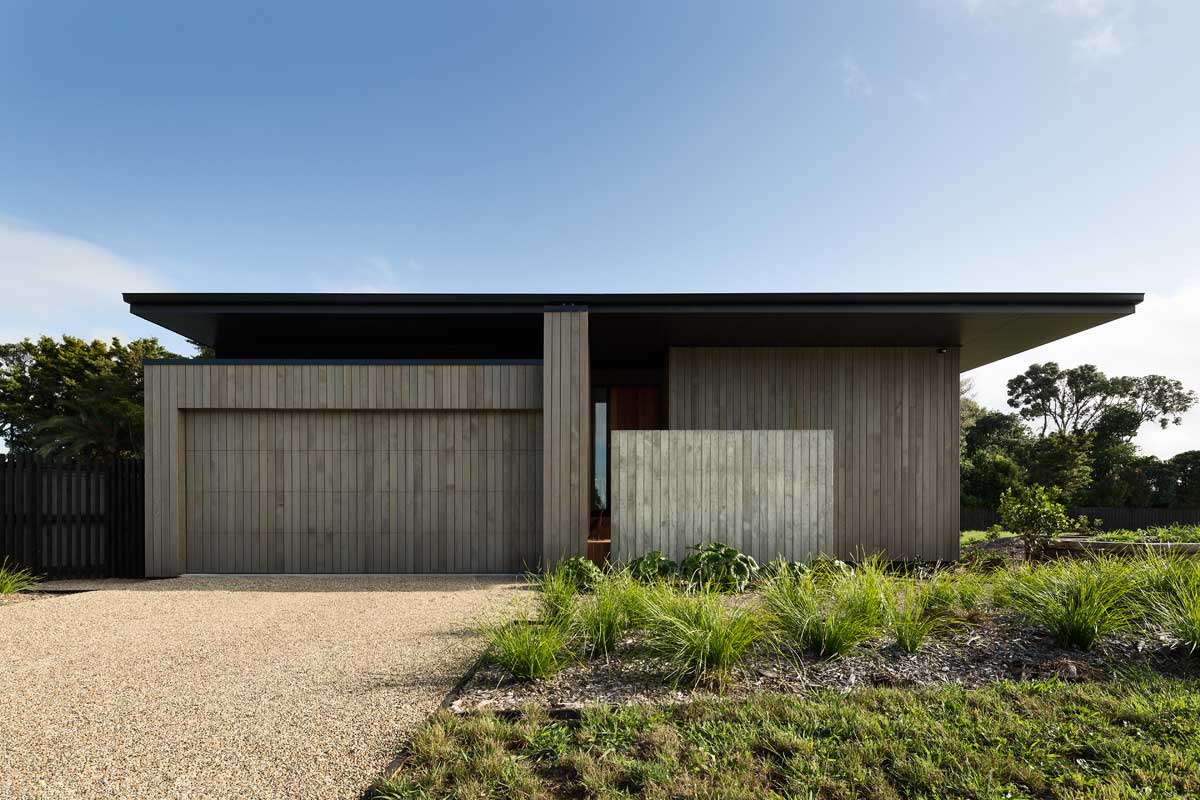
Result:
[[600, 463]]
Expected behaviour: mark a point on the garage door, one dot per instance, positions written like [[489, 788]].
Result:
[[362, 491]]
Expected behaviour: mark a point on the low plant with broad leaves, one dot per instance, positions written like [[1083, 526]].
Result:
[[581, 572], [653, 566], [719, 567]]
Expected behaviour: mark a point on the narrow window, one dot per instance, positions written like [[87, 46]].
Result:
[[600, 451]]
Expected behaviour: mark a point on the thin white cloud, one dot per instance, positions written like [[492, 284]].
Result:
[[1159, 339], [854, 78], [1098, 30], [56, 284], [1099, 43], [375, 275], [1085, 8], [918, 93], [982, 7]]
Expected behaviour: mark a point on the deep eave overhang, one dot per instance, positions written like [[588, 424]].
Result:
[[986, 326], [807, 302]]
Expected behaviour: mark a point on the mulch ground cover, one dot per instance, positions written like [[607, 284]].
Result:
[[995, 648]]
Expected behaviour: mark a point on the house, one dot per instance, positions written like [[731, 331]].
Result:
[[495, 433]]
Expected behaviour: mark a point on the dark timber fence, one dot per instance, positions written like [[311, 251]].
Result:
[[73, 519], [1113, 518]]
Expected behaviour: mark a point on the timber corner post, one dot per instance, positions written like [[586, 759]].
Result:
[[566, 433]]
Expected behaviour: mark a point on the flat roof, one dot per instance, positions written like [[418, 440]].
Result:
[[626, 329]]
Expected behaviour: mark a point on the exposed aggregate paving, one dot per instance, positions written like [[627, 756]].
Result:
[[247, 687]]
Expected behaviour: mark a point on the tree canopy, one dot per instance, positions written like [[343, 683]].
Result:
[[73, 397], [1075, 400], [1073, 430]]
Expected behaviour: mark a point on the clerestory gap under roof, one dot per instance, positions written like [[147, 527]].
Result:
[[626, 330]]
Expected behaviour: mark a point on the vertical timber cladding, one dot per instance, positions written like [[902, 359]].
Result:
[[566, 381], [362, 491], [338, 446], [769, 493], [894, 415]]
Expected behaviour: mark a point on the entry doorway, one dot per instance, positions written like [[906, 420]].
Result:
[[614, 408]]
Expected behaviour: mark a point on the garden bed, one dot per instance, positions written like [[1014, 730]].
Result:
[[830, 679], [995, 649], [619, 640], [1075, 545]]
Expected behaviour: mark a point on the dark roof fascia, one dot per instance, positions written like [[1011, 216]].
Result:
[[816, 303]]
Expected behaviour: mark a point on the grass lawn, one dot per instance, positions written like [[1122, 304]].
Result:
[[974, 537], [1138, 736]]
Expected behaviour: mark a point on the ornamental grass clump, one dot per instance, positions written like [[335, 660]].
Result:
[[1171, 594], [643, 600], [530, 650], [698, 635], [922, 609], [15, 579], [828, 613], [1178, 610], [970, 591], [603, 617], [556, 592], [1078, 602]]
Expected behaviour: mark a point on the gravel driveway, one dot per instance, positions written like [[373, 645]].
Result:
[[231, 687]]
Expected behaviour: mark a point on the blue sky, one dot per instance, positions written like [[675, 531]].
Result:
[[902, 145]]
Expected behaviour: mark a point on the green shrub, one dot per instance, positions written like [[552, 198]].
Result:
[[581, 572], [1076, 601], [15, 579], [556, 595], [1035, 515], [828, 614], [652, 566], [530, 650], [718, 566], [922, 610], [698, 635], [603, 617], [1175, 534]]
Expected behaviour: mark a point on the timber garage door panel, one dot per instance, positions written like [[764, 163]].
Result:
[[362, 491]]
